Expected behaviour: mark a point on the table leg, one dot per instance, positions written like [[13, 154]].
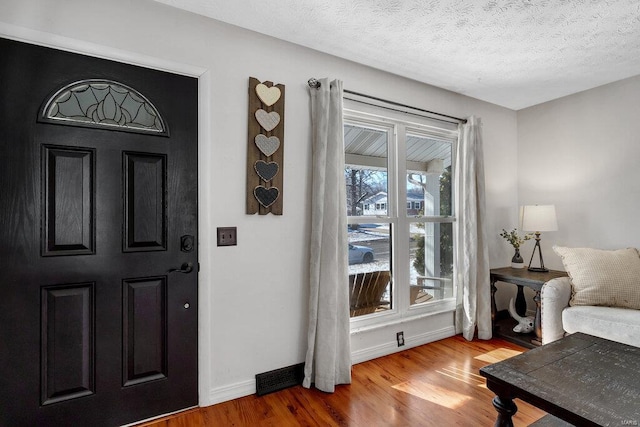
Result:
[[506, 409], [537, 324], [521, 302], [494, 310]]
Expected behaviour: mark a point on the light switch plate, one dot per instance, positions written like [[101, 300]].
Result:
[[227, 236]]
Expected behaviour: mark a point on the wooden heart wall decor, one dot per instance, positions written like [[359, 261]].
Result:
[[267, 146], [268, 121], [265, 151], [265, 170]]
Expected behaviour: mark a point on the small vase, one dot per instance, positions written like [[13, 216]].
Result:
[[517, 261]]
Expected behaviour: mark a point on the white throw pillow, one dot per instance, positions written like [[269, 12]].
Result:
[[599, 277]]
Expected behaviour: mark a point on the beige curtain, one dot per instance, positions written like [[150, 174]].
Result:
[[328, 359], [473, 298]]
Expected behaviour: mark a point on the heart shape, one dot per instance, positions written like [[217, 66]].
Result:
[[268, 95], [267, 146], [265, 170], [266, 196], [267, 120]]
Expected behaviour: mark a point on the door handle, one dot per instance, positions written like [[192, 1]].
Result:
[[185, 268]]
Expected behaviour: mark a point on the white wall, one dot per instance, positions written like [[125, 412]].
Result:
[[253, 296], [581, 153]]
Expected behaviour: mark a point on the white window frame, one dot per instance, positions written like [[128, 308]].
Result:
[[397, 126]]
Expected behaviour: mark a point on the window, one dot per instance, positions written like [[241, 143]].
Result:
[[428, 174], [366, 171], [401, 218]]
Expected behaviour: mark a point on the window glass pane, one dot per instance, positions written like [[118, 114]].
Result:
[[428, 176], [430, 261], [369, 268], [366, 170]]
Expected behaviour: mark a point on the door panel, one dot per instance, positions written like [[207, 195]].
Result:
[[145, 207], [144, 326], [96, 330], [67, 342], [68, 206]]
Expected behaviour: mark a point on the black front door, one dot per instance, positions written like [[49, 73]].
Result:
[[98, 251]]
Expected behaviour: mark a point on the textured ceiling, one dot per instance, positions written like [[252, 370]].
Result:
[[513, 53]]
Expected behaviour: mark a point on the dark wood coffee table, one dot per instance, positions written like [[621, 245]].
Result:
[[583, 380]]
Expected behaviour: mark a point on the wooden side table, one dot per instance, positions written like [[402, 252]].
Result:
[[520, 277]]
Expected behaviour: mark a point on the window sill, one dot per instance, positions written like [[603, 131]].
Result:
[[390, 319]]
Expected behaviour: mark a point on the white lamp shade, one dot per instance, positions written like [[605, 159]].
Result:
[[538, 218]]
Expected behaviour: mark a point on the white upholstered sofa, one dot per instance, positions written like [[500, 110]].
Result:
[[598, 298]]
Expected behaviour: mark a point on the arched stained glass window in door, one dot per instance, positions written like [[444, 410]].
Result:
[[103, 104]]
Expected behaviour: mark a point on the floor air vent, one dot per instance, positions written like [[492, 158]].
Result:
[[279, 379]]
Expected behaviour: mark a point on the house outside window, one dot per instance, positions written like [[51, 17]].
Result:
[[401, 219]]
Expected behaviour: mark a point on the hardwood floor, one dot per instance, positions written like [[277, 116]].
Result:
[[436, 384]]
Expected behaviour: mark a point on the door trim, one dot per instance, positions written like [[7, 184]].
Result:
[[205, 151]]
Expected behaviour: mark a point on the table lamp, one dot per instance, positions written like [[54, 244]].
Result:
[[538, 218]]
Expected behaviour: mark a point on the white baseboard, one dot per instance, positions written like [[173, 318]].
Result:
[[246, 388], [391, 347], [232, 391]]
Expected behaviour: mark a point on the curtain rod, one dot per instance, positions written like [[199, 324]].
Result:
[[315, 84]]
